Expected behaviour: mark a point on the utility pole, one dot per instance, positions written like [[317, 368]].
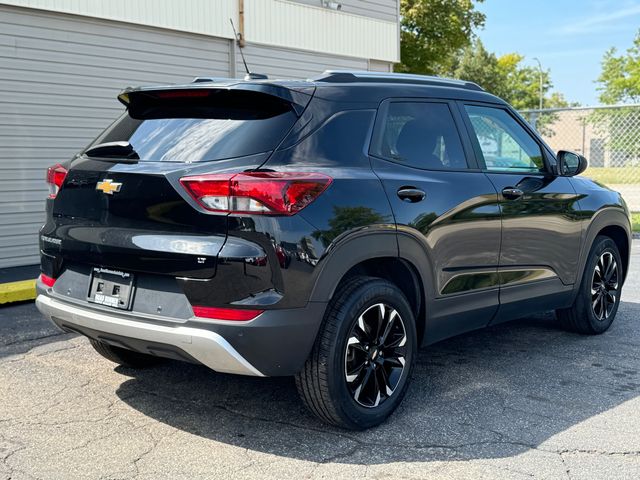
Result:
[[540, 70]]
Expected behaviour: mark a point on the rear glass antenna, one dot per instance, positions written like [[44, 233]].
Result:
[[249, 75]]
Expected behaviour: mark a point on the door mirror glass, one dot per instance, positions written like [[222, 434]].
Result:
[[570, 163]]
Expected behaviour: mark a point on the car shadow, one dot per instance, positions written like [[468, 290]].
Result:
[[492, 393], [23, 328]]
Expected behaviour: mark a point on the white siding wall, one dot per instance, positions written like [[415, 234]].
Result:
[[59, 78], [378, 66], [208, 17], [284, 63], [365, 29], [381, 9], [283, 23]]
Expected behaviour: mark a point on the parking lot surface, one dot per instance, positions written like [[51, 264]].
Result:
[[521, 400]]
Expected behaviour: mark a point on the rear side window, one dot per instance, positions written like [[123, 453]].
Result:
[[215, 125], [340, 140], [421, 135]]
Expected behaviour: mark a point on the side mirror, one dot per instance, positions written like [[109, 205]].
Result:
[[570, 163]]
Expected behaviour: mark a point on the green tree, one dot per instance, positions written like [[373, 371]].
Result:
[[433, 31], [620, 83], [506, 77], [475, 63], [509, 79], [522, 83], [620, 77]]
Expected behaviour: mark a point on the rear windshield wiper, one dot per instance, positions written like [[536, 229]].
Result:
[[122, 151]]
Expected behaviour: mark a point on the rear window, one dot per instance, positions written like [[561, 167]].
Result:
[[201, 125]]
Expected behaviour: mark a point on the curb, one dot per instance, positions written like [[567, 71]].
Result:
[[17, 291]]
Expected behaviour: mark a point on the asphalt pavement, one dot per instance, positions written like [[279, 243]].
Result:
[[520, 400]]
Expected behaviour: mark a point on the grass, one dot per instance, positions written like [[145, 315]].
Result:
[[618, 176], [614, 175]]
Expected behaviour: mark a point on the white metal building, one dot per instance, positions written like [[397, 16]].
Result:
[[62, 63]]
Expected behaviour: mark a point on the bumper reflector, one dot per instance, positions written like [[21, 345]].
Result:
[[48, 281], [226, 313]]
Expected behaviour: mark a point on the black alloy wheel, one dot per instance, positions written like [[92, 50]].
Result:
[[375, 356], [598, 297], [604, 286], [359, 369]]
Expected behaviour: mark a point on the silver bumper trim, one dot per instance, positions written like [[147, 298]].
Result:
[[206, 347]]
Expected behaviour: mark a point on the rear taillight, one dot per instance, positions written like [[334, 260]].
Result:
[[48, 281], [233, 314], [265, 193], [55, 179]]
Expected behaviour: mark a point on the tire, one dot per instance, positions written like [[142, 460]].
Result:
[[124, 357], [588, 315], [337, 365]]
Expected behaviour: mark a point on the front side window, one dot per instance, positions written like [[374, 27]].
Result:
[[421, 135], [505, 144]]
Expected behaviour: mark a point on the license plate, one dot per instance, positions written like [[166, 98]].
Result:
[[111, 288]]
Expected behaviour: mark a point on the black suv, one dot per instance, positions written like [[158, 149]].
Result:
[[323, 229]]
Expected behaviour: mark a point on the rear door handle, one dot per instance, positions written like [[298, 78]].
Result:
[[411, 194], [511, 193]]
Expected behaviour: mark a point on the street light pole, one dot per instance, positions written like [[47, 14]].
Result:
[[540, 69]]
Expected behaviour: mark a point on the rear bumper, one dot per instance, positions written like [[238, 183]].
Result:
[[277, 342], [206, 347]]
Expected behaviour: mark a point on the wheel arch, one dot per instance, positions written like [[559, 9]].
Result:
[[619, 236], [613, 223], [377, 255]]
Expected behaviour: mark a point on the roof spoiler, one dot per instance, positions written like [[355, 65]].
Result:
[[299, 98]]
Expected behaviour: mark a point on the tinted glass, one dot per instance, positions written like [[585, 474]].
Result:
[[505, 144], [339, 141], [231, 124], [421, 135]]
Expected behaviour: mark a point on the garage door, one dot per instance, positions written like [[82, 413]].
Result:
[[59, 76]]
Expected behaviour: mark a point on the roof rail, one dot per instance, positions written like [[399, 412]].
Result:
[[352, 76]]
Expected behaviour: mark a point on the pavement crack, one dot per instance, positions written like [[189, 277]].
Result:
[[631, 453], [351, 438], [139, 458], [567, 470]]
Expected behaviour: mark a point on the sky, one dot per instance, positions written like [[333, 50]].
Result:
[[569, 37]]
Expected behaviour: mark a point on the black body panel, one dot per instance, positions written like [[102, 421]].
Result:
[[458, 227], [466, 255]]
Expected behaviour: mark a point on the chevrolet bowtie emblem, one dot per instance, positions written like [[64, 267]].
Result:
[[108, 186]]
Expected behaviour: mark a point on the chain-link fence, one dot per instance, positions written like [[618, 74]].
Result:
[[608, 136]]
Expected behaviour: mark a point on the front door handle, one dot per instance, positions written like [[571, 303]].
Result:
[[511, 193], [411, 194]]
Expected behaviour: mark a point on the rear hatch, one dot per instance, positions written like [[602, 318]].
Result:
[[121, 205]]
